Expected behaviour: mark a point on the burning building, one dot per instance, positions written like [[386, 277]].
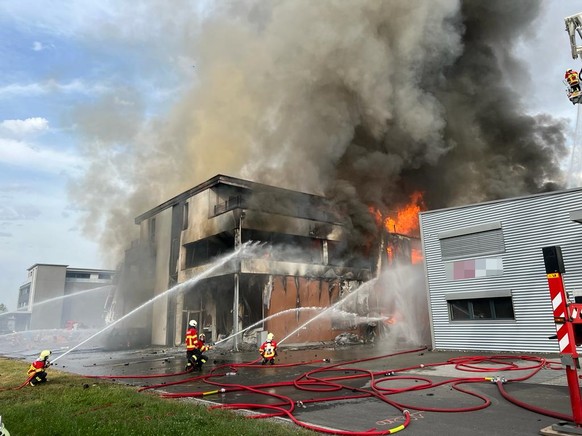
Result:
[[364, 103], [301, 263]]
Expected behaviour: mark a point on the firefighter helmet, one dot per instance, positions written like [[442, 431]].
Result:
[[44, 354], [202, 337], [193, 323], [270, 337]]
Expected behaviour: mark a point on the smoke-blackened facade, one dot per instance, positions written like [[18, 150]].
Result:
[[299, 261]]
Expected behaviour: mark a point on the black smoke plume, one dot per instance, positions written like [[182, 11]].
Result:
[[363, 101]]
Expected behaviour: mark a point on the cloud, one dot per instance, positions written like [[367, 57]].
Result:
[[24, 127], [5, 235], [18, 212], [32, 157], [7, 190], [37, 46], [51, 86]]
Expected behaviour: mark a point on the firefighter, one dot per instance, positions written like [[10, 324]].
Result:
[[36, 372], [268, 350], [191, 344], [573, 80], [201, 358]]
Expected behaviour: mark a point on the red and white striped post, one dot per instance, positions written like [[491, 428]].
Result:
[[564, 326]]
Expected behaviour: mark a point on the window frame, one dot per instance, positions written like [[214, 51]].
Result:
[[471, 302]]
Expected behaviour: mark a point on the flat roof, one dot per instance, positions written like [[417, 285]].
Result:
[[71, 268], [215, 181], [45, 264]]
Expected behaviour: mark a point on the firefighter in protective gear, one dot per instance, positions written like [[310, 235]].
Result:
[[201, 358], [191, 344], [268, 350], [36, 372], [573, 80]]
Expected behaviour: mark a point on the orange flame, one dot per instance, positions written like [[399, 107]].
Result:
[[406, 220], [403, 221], [416, 256]]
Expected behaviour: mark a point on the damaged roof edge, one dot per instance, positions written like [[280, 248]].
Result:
[[214, 181]]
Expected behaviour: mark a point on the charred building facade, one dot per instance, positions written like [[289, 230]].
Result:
[[298, 267]]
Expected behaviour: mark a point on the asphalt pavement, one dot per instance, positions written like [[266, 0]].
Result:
[[450, 393]]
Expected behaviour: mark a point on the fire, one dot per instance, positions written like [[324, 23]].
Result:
[[402, 223], [416, 256], [405, 219]]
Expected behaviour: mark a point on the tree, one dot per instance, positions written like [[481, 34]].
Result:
[[3, 308]]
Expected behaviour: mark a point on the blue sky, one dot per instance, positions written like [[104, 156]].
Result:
[[59, 58]]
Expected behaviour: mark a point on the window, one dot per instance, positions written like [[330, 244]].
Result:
[[206, 250], [24, 295], [105, 276], [481, 308], [481, 240], [78, 275], [185, 211], [233, 202]]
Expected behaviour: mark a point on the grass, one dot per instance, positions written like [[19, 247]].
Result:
[[69, 404]]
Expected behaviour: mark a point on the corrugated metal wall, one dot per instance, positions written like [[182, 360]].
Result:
[[528, 224]]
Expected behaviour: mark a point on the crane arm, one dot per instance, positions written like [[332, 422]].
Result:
[[573, 26]]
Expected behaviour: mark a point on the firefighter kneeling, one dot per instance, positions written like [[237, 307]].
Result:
[[199, 357], [196, 356], [268, 350], [36, 372]]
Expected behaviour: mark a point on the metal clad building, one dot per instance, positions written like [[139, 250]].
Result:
[[486, 280]]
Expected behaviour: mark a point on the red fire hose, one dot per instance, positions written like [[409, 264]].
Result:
[[332, 379]]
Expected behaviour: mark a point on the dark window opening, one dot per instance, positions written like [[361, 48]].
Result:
[[481, 308], [288, 248], [278, 202], [78, 275], [185, 212], [23, 296], [340, 254], [233, 202], [207, 250], [105, 276]]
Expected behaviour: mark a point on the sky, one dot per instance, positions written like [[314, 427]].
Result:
[[75, 75]]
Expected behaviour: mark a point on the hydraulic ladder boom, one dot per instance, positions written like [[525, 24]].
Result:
[[573, 26]]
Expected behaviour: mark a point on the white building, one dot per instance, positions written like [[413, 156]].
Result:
[[56, 296], [486, 279]]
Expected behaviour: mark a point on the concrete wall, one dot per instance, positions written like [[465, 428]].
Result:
[[48, 282], [162, 248]]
